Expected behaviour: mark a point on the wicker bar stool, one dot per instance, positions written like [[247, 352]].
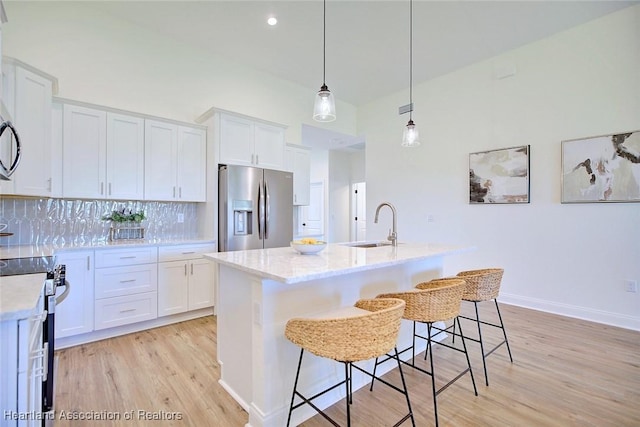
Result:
[[369, 330], [434, 301], [484, 285]]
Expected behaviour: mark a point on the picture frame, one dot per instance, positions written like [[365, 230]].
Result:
[[499, 176], [601, 169]]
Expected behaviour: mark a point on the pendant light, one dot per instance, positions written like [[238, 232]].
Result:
[[324, 109], [410, 136]]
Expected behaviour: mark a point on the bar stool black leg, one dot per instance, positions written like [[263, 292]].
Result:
[[484, 361], [347, 378], [295, 387], [433, 376], [464, 346], [504, 332]]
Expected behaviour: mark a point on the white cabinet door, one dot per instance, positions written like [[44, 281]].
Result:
[[74, 315], [236, 141], [185, 279], [28, 98], [160, 162], [246, 142], [175, 162], [33, 121], [125, 157], [200, 284], [298, 161], [269, 146], [84, 152], [173, 279], [192, 164]]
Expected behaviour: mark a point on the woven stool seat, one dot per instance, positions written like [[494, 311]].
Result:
[[434, 301], [484, 285], [367, 330]]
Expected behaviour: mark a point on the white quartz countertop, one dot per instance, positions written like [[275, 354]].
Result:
[[19, 295], [287, 266], [28, 251]]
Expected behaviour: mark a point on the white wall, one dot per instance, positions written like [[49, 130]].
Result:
[[570, 259], [104, 60]]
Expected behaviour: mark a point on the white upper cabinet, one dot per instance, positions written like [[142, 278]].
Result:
[[84, 143], [249, 142], [269, 146], [175, 162], [236, 141], [298, 161], [103, 154], [125, 157], [27, 95], [192, 164]]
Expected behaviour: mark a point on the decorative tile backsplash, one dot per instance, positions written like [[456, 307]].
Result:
[[58, 221]]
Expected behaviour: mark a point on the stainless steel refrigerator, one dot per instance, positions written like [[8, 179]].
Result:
[[255, 208]]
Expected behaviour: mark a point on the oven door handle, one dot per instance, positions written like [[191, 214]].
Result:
[[64, 294]]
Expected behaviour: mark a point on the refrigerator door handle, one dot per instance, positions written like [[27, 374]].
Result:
[[260, 210], [267, 208]]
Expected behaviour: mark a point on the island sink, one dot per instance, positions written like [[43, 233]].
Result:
[[368, 244]]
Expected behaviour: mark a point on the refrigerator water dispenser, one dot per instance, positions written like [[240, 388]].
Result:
[[242, 217]]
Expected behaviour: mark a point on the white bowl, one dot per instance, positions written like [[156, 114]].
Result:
[[306, 249]]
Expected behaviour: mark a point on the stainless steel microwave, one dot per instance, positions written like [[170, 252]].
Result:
[[9, 146]]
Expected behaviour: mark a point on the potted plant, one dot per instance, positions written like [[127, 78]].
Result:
[[125, 224]]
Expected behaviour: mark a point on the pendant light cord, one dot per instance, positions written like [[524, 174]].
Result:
[[411, 59], [324, 42]]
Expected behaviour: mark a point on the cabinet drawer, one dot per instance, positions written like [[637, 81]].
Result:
[[131, 256], [117, 311], [118, 281], [184, 252]]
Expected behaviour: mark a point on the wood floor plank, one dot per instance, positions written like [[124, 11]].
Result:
[[566, 372]]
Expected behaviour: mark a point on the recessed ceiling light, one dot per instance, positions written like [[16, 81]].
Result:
[[272, 21]]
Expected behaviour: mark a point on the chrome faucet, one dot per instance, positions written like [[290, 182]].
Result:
[[393, 234]]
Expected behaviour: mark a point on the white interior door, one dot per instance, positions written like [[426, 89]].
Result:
[[311, 218], [359, 211]]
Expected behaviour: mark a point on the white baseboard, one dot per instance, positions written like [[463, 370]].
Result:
[[599, 316], [130, 328]]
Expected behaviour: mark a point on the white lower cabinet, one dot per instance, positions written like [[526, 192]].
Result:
[[22, 367], [74, 315], [126, 282], [185, 279]]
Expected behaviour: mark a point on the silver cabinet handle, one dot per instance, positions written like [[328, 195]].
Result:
[[192, 269], [101, 188], [109, 188], [128, 310], [127, 281], [185, 269], [128, 257], [88, 263]]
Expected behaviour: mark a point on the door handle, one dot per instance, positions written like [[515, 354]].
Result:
[[260, 210], [5, 172], [267, 210]]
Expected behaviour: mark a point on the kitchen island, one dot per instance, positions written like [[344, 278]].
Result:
[[260, 290]]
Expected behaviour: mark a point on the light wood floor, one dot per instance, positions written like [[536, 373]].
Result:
[[566, 372]]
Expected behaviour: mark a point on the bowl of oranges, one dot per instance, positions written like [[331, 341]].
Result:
[[308, 245]]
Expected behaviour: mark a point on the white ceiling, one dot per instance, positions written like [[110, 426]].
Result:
[[367, 42]]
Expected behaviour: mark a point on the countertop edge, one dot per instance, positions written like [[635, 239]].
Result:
[[448, 250]]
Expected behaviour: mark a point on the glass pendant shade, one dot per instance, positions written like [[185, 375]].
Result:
[[324, 109], [410, 136]]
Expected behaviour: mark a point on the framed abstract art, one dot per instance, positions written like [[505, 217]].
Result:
[[499, 176], [601, 168]]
